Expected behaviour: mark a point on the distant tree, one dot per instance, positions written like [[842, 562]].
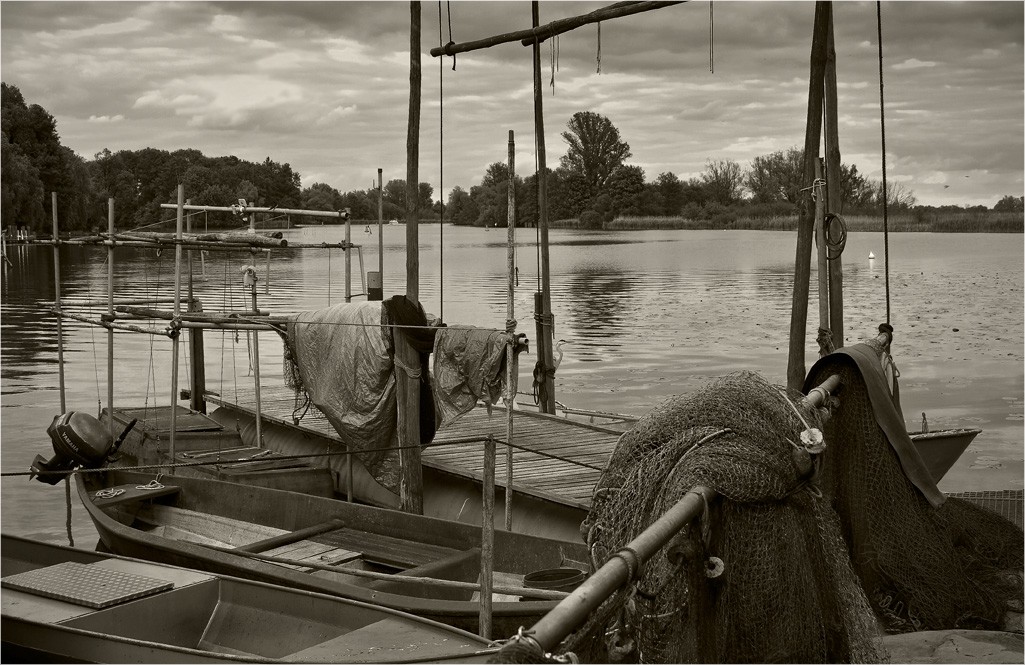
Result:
[[595, 150], [461, 208], [670, 189], [1010, 203], [320, 196], [626, 189], [898, 196], [776, 176], [855, 189], [723, 180]]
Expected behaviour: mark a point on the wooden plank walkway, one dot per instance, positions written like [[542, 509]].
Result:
[[553, 457]]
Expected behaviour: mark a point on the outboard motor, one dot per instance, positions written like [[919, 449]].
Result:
[[79, 440]]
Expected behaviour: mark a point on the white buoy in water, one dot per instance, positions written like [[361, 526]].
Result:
[[871, 256]]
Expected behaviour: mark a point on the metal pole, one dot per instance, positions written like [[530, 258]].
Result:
[[57, 301], [177, 313], [110, 312], [510, 377]]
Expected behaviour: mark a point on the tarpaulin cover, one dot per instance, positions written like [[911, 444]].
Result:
[[343, 358], [469, 364]]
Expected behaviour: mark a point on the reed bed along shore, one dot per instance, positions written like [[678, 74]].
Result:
[[924, 222]]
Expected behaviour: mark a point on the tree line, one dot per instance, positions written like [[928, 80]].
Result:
[[593, 183]]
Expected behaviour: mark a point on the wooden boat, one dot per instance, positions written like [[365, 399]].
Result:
[[67, 604], [321, 545], [942, 448]]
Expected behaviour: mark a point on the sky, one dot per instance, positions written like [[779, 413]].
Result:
[[324, 86]]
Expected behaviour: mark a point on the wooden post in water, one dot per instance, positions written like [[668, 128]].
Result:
[[819, 194], [832, 140], [110, 312], [380, 227], [175, 339], [197, 360], [348, 261], [407, 360], [802, 263], [510, 327], [544, 334], [57, 300]]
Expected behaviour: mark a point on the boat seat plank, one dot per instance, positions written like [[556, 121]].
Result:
[[388, 550], [292, 536], [134, 493], [224, 530]]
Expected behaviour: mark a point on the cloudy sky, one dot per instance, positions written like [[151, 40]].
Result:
[[324, 86]]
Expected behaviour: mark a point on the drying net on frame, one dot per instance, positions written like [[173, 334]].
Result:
[[806, 553], [763, 575], [922, 567]]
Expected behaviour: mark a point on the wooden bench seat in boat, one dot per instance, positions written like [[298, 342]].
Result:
[[333, 547], [134, 493]]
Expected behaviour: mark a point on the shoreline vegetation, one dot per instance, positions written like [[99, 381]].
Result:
[[903, 222]]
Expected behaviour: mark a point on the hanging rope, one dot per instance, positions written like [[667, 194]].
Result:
[[711, 32], [448, 6], [441, 165], [882, 132], [599, 47]]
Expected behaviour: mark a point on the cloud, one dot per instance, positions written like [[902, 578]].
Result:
[[106, 118], [913, 63]]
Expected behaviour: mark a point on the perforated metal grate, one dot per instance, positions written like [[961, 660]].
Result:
[[85, 585]]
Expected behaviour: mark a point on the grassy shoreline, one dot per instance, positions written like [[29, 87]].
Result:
[[966, 222]]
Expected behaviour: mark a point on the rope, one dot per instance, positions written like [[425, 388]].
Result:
[[598, 56], [448, 6], [441, 165], [239, 460], [711, 49], [882, 132], [67, 503], [834, 248]]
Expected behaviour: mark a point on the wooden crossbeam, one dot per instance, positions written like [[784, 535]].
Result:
[[541, 33]]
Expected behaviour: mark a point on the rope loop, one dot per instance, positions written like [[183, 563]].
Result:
[[834, 248]]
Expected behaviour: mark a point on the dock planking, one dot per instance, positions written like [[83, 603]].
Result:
[[552, 455]]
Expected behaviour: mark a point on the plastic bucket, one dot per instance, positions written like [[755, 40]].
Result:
[[557, 579]]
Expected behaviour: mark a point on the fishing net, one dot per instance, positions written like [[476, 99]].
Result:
[[811, 548], [763, 575], [923, 568]]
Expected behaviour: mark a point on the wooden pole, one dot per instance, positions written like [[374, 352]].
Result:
[[57, 301], [380, 226], [510, 306], [544, 341], [833, 203], [256, 372], [822, 273], [175, 340], [407, 360], [348, 261], [805, 224], [413, 159], [110, 312], [197, 360], [487, 546], [527, 37]]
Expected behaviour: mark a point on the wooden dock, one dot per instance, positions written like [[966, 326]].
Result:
[[555, 458]]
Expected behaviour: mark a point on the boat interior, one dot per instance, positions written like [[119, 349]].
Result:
[[183, 608]]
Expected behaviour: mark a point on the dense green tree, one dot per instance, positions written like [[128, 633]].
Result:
[[776, 177], [595, 150], [626, 190]]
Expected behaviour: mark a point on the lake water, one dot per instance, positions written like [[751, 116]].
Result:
[[646, 315]]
